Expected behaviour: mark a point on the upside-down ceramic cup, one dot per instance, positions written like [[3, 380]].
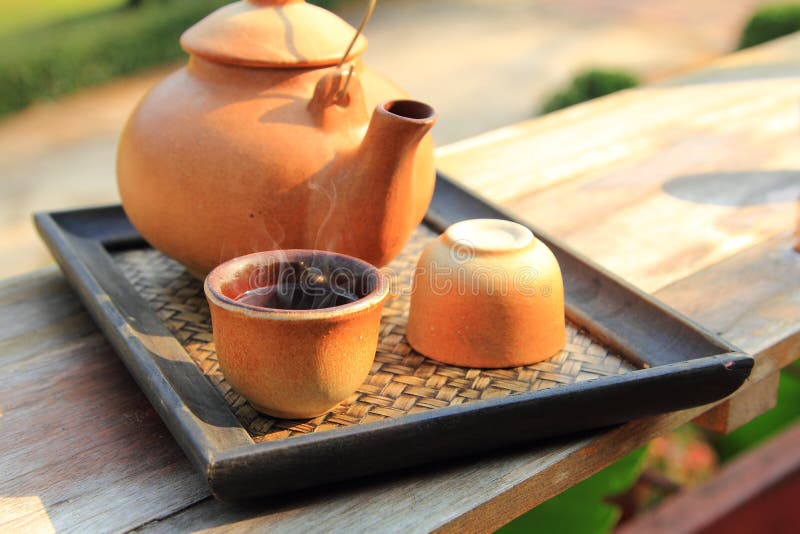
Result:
[[487, 293], [295, 330]]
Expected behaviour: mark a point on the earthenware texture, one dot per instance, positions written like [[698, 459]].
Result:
[[487, 293], [266, 140], [295, 331]]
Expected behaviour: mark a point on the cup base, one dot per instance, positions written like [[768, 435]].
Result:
[[460, 357], [280, 414]]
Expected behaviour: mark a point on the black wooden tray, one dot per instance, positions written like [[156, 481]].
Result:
[[628, 356]]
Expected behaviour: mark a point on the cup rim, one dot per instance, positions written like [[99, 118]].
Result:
[[214, 280]]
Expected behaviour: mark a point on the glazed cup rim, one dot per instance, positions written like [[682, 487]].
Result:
[[225, 270]]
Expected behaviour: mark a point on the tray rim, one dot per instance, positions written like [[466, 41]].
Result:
[[235, 466]]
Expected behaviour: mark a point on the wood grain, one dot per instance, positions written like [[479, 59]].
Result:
[[762, 285], [654, 183], [634, 180], [750, 401], [761, 292], [82, 448]]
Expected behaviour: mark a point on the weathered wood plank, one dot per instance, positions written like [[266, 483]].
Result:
[[82, 448], [750, 401], [653, 183], [24, 330], [477, 497], [762, 287], [761, 291]]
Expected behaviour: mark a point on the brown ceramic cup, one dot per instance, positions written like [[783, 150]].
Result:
[[487, 293], [295, 330]]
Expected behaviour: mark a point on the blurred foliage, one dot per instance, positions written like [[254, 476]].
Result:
[[770, 22], [59, 58], [588, 85], [17, 16], [786, 412], [683, 456], [588, 507]]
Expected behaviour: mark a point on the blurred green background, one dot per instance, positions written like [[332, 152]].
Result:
[[50, 49], [55, 48], [17, 16]]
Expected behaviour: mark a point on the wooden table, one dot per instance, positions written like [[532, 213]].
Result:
[[686, 188]]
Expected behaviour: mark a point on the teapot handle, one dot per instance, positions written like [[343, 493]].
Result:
[[367, 15], [334, 91], [338, 96]]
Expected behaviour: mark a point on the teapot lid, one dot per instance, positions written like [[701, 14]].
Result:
[[272, 33]]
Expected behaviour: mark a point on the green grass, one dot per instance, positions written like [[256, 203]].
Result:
[[587, 85], [770, 22], [18, 16]]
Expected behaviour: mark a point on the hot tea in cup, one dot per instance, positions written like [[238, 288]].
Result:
[[295, 330]]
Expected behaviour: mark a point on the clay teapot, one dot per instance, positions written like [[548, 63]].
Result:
[[271, 138]]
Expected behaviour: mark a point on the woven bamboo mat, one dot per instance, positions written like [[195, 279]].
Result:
[[401, 380]]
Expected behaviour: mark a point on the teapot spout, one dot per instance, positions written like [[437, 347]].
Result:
[[398, 125], [386, 186]]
